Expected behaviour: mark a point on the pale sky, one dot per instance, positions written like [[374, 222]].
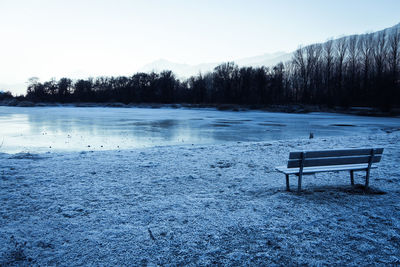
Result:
[[82, 38]]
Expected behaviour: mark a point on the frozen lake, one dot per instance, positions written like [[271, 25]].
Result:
[[42, 129]]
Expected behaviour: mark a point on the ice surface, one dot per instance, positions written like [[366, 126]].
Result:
[[216, 204], [42, 129]]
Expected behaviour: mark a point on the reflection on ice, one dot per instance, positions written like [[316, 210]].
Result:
[[42, 129]]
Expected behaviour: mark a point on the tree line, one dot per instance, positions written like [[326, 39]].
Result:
[[358, 70]]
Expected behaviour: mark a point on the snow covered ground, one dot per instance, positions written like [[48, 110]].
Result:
[[197, 205]]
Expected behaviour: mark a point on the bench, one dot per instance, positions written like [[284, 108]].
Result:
[[311, 162]]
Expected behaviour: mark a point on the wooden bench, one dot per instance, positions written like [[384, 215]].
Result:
[[311, 162]]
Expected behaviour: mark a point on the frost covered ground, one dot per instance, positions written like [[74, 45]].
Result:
[[197, 205]]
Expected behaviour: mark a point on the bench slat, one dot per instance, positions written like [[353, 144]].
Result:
[[332, 161], [335, 153], [311, 170]]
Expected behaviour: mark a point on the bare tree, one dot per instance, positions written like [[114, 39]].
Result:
[[328, 58], [365, 46], [341, 50], [313, 54], [353, 62], [381, 92], [380, 53], [299, 61], [394, 54], [394, 62]]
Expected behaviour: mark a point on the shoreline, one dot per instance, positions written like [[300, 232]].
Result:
[[288, 108]]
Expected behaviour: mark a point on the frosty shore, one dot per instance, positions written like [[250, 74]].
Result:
[[197, 205]]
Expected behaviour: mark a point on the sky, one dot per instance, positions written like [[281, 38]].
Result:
[[90, 38]]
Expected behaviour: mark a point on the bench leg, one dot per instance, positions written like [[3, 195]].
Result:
[[367, 179], [352, 177], [287, 183], [299, 184]]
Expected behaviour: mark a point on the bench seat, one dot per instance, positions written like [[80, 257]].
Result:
[[312, 170]]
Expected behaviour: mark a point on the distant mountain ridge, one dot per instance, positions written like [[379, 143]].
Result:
[[186, 70], [16, 88], [267, 60]]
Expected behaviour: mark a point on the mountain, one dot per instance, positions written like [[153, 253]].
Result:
[[186, 70], [267, 60], [180, 69], [15, 88], [392, 29]]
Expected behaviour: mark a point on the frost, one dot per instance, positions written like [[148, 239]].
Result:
[[198, 205]]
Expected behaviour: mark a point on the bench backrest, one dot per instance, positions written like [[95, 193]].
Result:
[[334, 157]]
